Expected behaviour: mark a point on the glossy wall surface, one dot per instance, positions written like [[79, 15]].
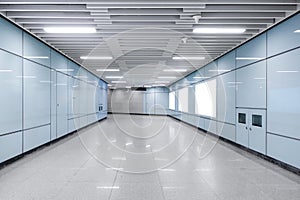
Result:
[[151, 101], [44, 95], [262, 76]]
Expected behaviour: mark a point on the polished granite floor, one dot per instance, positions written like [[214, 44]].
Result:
[[144, 157]]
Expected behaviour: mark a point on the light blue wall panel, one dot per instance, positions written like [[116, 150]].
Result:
[[284, 149], [251, 86], [284, 94], [11, 92], [226, 97], [283, 37], [35, 50], [10, 146], [211, 70], [11, 37], [252, 51], [71, 87], [36, 95], [191, 99], [53, 105], [59, 62], [62, 104], [226, 131], [73, 68], [226, 62], [36, 137]]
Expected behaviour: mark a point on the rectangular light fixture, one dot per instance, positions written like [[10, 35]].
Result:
[[188, 58], [107, 70], [175, 70], [5, 70], [167, 77], [118, 81], [36, 57], [219, 30], [200, 77], [297, 31], [288, 71], [113, 77], [158, 85], [95, 57], [65, 70], [69, 30], [147, 86], [162, 81], [128, 87], [249, 58]]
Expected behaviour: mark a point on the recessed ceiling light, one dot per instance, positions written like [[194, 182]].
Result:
[[118, 81], [65, 70], [167, 77], [188, 58], [70, 30], [219, 30], [5, 70], [107, 70], [288, 71], [162, 81], [175, 70], [249, 58], [95, 57], [200, 77], [36, 57], [158, 85], [113, 77]]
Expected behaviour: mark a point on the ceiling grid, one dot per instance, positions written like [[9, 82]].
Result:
[[143, 37]]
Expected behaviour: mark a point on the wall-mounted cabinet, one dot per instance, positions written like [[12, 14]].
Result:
[[251, 129]]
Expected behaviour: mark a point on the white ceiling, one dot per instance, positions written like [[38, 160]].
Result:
[[143, 36]]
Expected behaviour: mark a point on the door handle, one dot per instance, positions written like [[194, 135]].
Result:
[[250, 129], [246, 128]]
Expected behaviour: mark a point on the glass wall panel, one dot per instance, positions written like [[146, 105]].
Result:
[[62, 104], [36, 50], [251, 86], [284, 94], [226, 62], [284, 37], [11, 92], [252, 51], [11, 37], [36, 94], [59, 62]]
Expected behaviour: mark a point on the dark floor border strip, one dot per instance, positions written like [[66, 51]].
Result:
[[52, 142], [260, 155]]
